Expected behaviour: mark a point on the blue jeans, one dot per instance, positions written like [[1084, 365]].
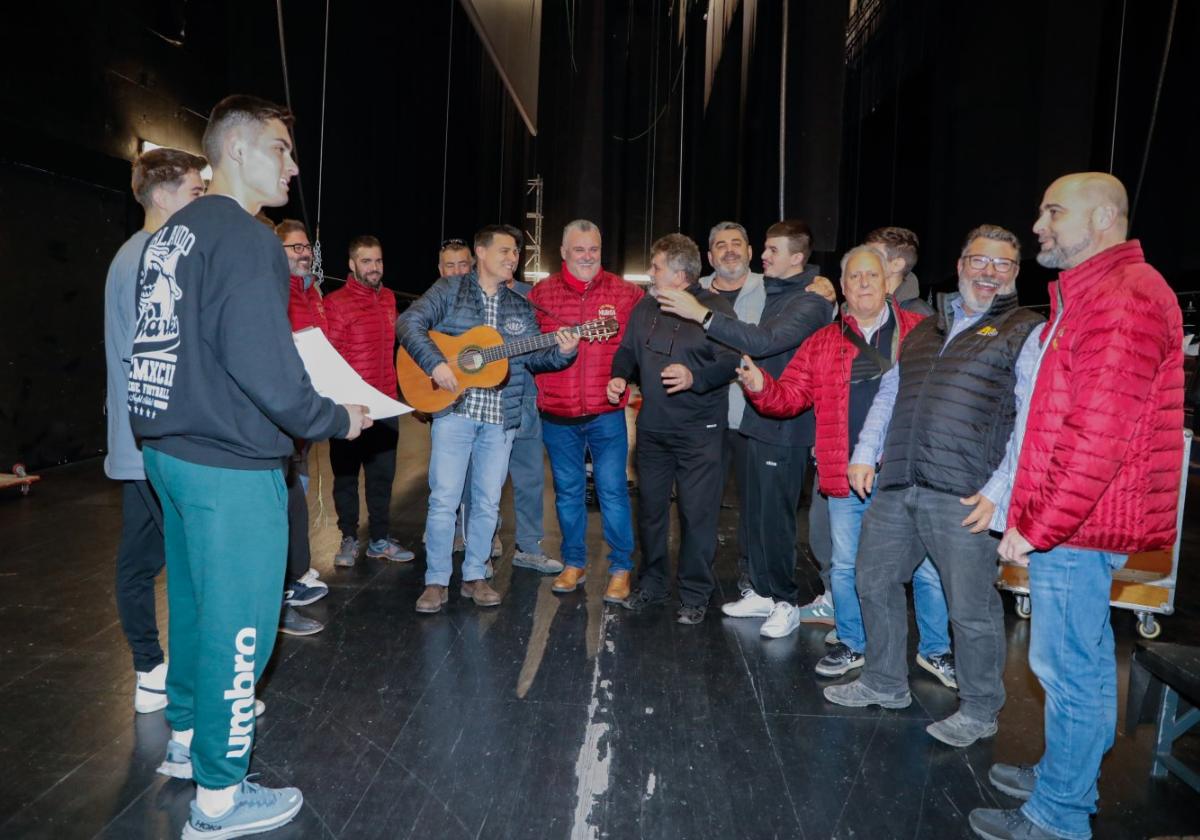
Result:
[[1071, 651], [606, 439], [929, 601], [458, 443]]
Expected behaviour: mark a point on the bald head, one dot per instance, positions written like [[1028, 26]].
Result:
[[1081, 215]]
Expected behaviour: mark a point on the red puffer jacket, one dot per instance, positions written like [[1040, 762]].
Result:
[[305, 306], [561, 300], [362, 327], [1100, 461], [819, 376]]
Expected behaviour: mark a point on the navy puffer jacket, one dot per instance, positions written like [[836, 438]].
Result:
[[454, 305]]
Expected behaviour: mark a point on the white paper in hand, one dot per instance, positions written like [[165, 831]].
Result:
[[333, 377]]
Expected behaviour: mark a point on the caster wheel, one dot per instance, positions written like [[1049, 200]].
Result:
[[1148, 626], [26, 489], [1024, 608]]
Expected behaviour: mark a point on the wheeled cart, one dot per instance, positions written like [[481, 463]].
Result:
[[1146, 585]]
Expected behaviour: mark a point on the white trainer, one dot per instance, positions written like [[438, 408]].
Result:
[[151, 692], [750, 605], [783, 621]]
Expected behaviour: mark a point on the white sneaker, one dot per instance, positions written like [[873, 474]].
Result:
[[783, 621], [831, 637], [750, 605], [259, 707], [151, 692]]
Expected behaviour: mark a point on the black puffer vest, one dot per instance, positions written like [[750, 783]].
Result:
[[955, 408]]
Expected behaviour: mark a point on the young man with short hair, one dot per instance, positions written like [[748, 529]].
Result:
[[217, 393], [164, 180]]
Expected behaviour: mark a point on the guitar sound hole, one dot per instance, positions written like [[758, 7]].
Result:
[[471, 360]]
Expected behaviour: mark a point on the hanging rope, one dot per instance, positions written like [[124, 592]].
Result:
[[1112, 148], [287, 93], [1162, 72], [317, 264]]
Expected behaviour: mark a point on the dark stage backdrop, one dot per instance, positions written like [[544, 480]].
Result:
[[943, 115]]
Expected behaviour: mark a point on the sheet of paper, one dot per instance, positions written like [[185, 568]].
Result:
[[333, 377]]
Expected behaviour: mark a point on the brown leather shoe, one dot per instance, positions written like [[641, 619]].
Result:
[[618, 588], [432, 598], [570, 578], [481, 593]]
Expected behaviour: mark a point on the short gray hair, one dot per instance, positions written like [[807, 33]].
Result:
[[581, 225], [720, 226], [873, 250], [681, 253], [994, 233]]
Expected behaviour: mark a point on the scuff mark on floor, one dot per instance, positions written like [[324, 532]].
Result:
[[592, 764]]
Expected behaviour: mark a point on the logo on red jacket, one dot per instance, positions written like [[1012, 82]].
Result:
[[606, 310]]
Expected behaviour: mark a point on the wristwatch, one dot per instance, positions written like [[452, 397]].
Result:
[[707, 319]]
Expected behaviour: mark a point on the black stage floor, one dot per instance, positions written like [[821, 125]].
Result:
[[549, 717]]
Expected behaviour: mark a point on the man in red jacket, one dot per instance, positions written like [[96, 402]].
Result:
[[362, 324], [1097, 479], [302, 586], [576, 413]]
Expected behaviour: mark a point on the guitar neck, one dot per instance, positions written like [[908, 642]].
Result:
[[521, 346]]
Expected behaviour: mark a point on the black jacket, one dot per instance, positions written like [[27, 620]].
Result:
[[790, 315], [955, 408], [215, 378], [654, 339]]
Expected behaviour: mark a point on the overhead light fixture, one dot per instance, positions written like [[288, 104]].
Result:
[[148, 146]]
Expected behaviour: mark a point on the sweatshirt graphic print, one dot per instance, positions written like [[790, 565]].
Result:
[[156, 338]]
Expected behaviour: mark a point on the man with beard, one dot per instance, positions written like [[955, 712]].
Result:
[[777, 450], [362, 323], [454, 258], [939, 426], [217, 393], [306, 310], [164, 180], [1100, 445]]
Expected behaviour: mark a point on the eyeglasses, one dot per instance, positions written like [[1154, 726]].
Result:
[[299, 248], [453, 243], [979, 262]]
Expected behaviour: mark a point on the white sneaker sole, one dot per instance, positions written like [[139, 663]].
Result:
[[734, 612], [256, 827], [780, 633], [175, 769], [942, 678], [841, 669]]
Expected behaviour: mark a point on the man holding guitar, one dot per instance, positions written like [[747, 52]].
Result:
[[473, 426]]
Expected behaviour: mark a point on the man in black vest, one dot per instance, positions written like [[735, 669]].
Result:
[[940, 427]]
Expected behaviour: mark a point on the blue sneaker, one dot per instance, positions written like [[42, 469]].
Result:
[[389, 549], [818, 611], [307, 590], [255, 809], [178, 762]]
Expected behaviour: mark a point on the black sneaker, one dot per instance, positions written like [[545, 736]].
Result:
[[689, 614], [941, 665], [839, 661], [641, 599]]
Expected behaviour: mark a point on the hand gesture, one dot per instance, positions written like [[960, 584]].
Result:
[[980, 517], [444, 378], [567, 340], [862, 479], [359, 420], [821, 286], [676, 378], [1015, 548], [750, 375], [681, 303], [616, 387]]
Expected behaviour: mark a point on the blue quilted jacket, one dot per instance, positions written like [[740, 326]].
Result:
[[454, 305]]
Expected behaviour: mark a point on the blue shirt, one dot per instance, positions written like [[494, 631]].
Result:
[[874, 432]]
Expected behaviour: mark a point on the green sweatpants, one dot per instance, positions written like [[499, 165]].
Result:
[[226, 546]]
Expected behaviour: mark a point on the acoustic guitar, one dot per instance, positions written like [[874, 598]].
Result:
[[479, 359]]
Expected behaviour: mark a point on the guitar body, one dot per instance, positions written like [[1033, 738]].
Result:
[[463, 354]]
